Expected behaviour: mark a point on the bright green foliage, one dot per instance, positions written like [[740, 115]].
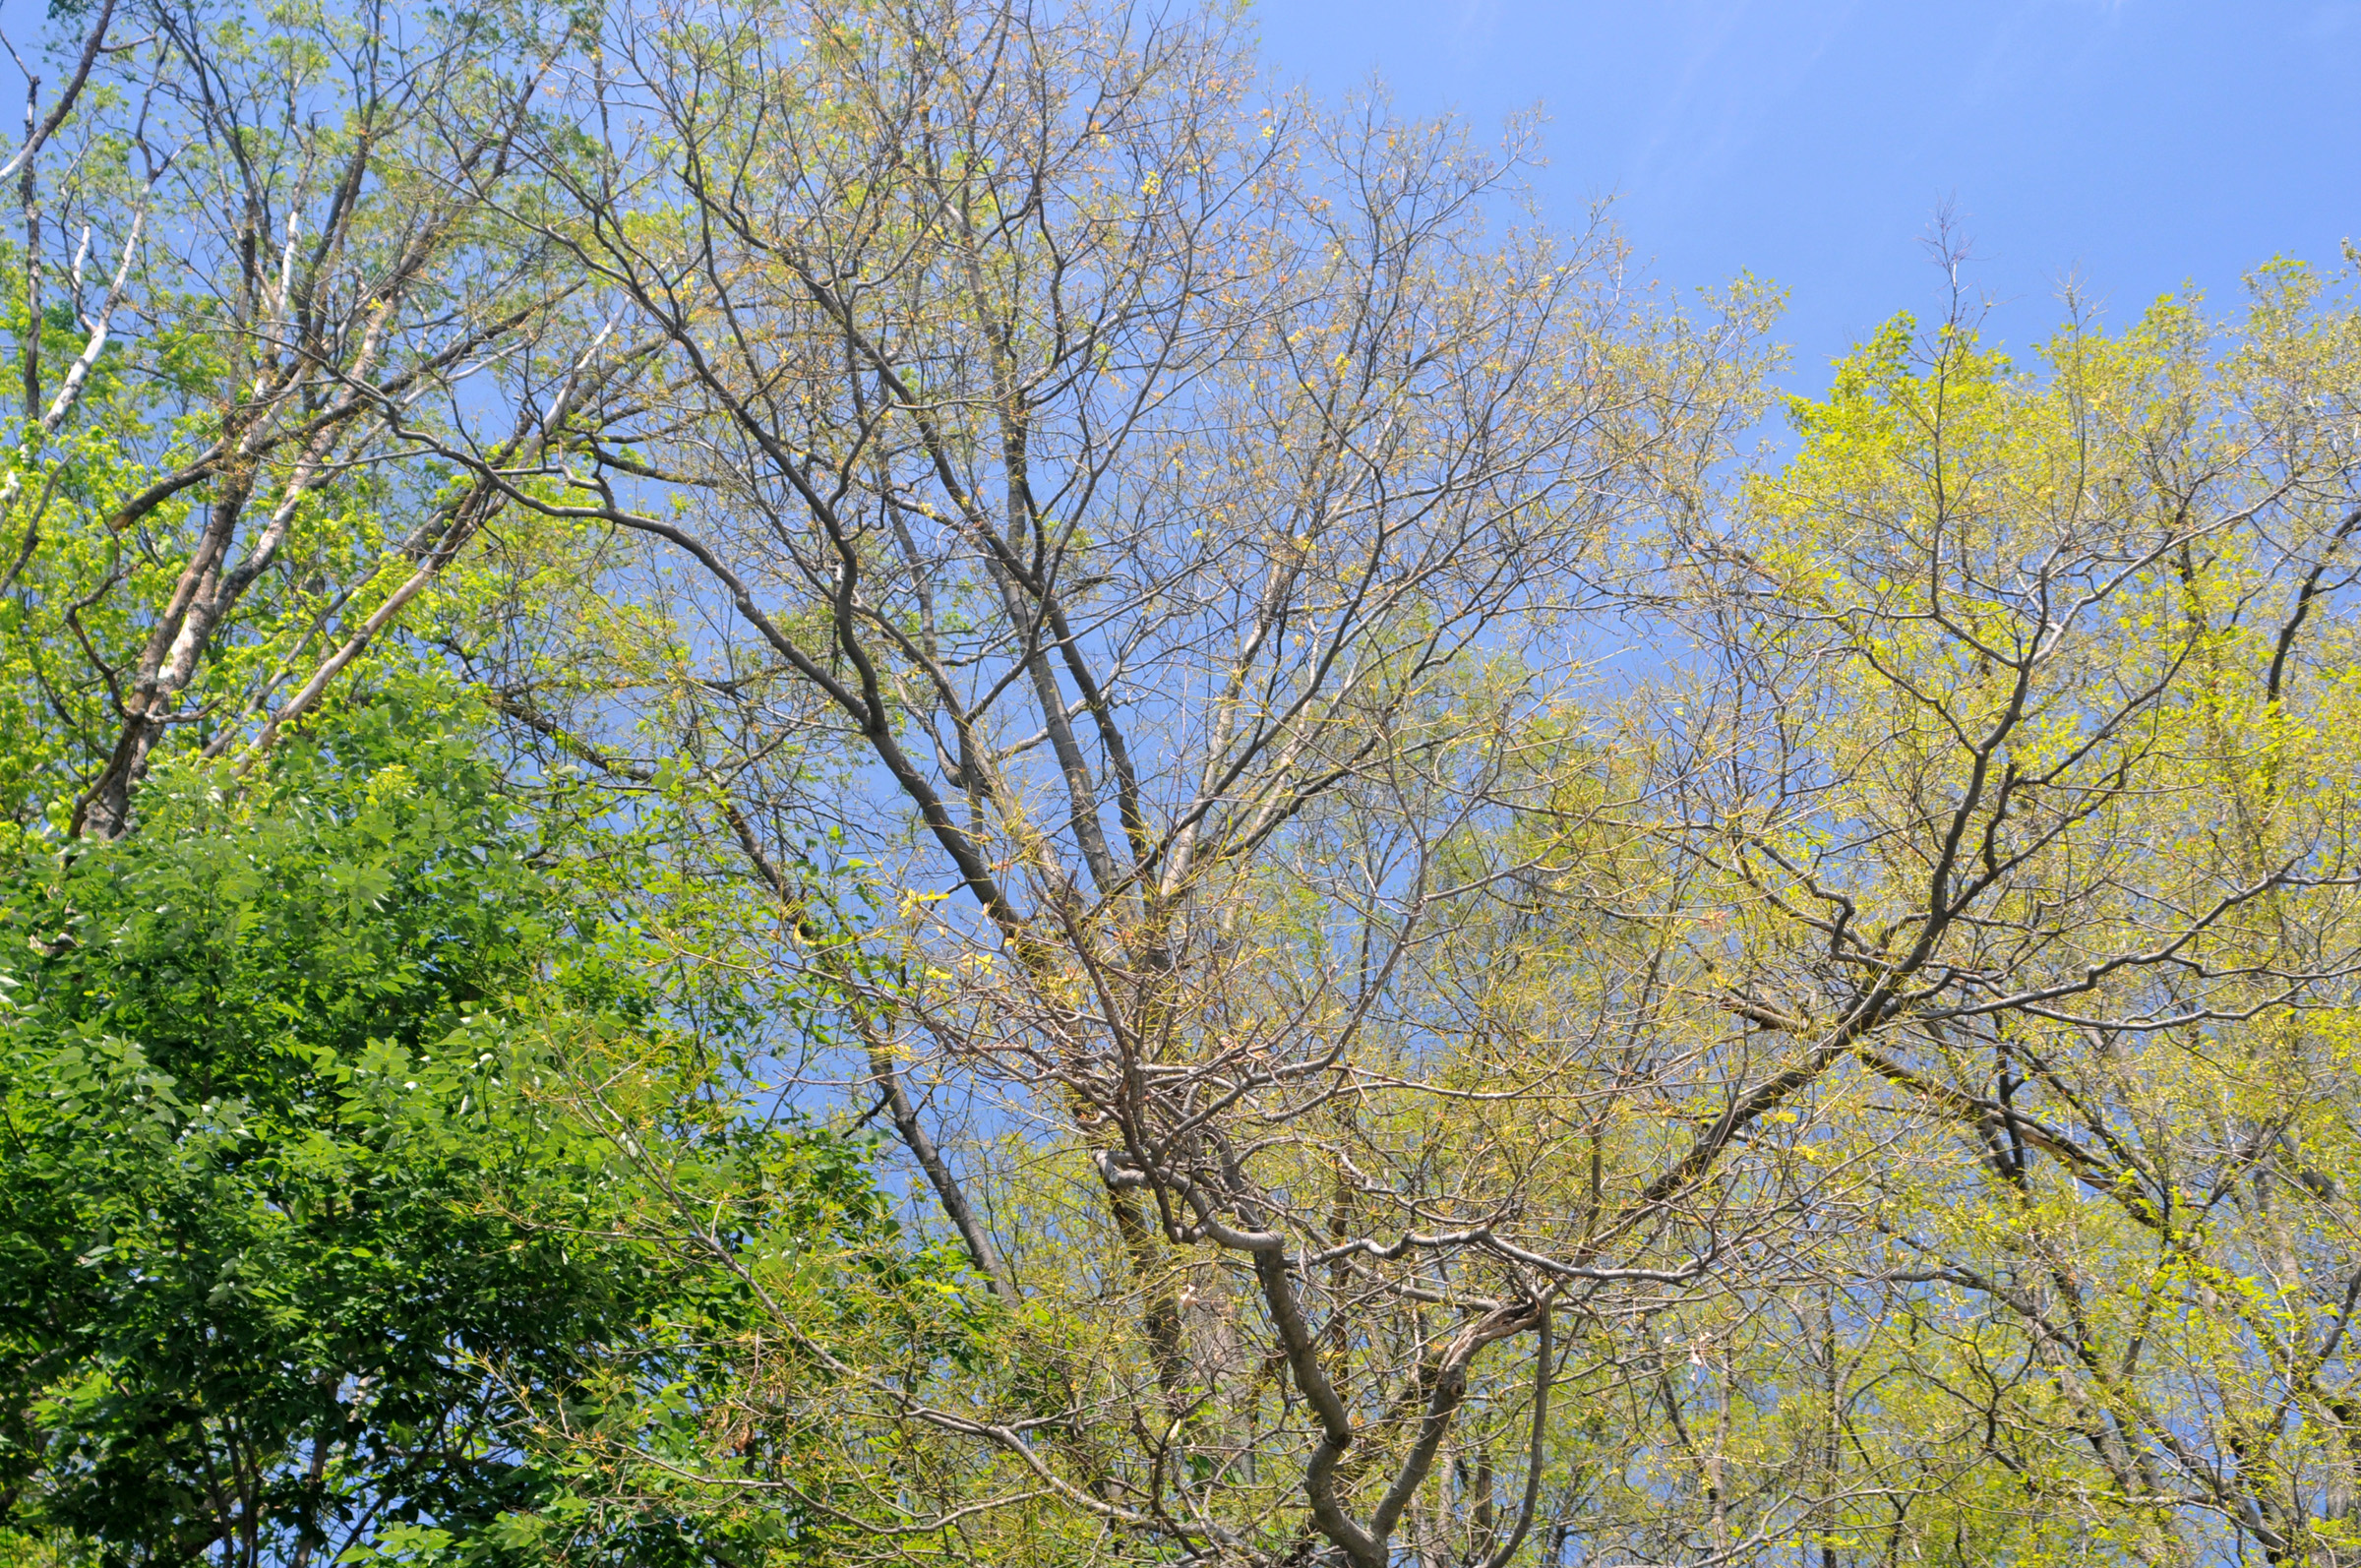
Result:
[[256, 261], [2091, 623], [302, 1251]]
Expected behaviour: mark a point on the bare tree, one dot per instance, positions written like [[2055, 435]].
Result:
[[1173, 516]]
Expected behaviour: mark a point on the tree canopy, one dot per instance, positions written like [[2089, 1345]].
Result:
[[917, 783]]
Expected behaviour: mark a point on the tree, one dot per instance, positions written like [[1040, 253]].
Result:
[[307, 1260], [255, 277], [1180, 510], [2025, 765]]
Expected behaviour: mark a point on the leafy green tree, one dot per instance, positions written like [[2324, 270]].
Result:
[[2025, 772], [257, 282], [305, 1257]]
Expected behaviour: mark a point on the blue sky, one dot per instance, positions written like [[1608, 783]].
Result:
[[2136, 144]]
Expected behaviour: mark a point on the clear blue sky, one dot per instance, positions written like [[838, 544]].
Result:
[[2138, 144]]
